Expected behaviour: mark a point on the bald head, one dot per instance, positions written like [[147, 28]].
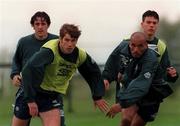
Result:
[[140, 36], [138, 44]]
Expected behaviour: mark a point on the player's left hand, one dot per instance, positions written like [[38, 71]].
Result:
[[115, 108], [172, 71], [102, 105]]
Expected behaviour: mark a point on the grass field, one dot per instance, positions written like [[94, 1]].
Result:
[[84, 113]]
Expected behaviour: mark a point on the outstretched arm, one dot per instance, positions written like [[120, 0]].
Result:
[[92, 74]]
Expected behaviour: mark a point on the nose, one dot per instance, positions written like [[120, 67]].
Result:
[[70, 43], [40, 26], [135, 50], [152, 24]]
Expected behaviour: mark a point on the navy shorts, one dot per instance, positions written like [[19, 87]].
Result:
[[148, 112], [45, 102]]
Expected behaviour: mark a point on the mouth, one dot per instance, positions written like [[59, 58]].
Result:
[[40, 31], [135, 55], [151, 30]]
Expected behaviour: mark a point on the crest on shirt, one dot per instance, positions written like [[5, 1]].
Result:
[[17, 108], [125, 60], [147, 75]]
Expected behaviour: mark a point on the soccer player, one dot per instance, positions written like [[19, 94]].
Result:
[[134, 64], [26, 47], [47, 74]]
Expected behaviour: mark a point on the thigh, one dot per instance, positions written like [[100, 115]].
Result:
[[19, 122], [51, 117], [129, 112], [138, 121]]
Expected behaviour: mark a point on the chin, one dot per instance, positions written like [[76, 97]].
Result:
[[151, 33], [136, 56], [69, 52]]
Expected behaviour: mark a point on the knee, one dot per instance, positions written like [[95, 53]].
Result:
[[138, 121], [125, 122]]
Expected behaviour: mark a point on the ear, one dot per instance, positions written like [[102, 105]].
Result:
[[32, 26]]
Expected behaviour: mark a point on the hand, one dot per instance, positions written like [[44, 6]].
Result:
[[119, 77], [102, 105], [33, 109], [172, 71], [16, 81], [106, 84], [116, 108]]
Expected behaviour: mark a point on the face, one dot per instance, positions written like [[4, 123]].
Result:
[[67, 44], [40, 26], [137, 47], [149, 26]]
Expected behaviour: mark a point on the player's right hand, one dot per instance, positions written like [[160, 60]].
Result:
[[172, 71], [33, 109], [16, 81]]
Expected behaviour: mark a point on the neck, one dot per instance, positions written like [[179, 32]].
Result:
[[150, 38], [41, 37]]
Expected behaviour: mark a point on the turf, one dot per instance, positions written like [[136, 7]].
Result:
[[84, 113]]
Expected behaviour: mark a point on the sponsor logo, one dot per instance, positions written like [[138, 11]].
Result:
[[125, 60], [16, 108], [147, 75]]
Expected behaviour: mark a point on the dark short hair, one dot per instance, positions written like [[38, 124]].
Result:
[[70, 29], [150, 13], [42, 15]]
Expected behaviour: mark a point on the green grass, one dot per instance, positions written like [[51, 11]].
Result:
[[84, 113]]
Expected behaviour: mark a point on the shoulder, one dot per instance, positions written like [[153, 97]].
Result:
[[51, 43], [82, 55], [123, 44], [52, 36], [151, 55], [161, 42], [28, 37], [25, 39], [82, 52], [161, 47]]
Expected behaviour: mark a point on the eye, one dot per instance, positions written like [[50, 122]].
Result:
[[132, 45], [43, 23], [37, 24], [66, 39], [154, 23], [148, 22]]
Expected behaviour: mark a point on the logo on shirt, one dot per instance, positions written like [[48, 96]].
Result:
[[125, 60], [16, 108], [147, 75]]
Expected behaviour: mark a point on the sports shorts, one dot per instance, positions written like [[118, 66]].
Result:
[[148, 112], [45, 102]]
